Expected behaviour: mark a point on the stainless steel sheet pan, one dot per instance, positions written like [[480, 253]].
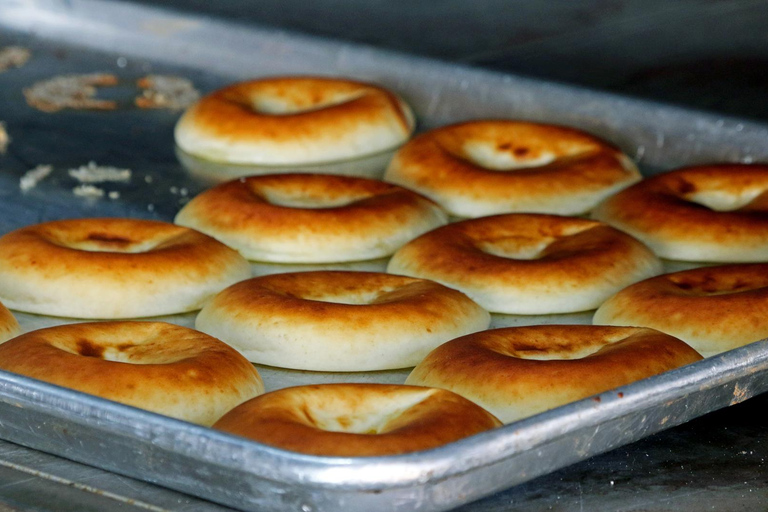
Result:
[[83, 36]]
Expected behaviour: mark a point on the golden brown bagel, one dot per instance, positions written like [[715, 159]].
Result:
[[113, 268], [339, 321], [357, 420], [480, 168], [713, 309], [9, 327], [294, 120], [311, 218], [517, 372], [706, 213], [155, 366], [528, 264]]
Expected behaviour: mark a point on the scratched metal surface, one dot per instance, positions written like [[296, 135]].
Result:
[[91, 35]]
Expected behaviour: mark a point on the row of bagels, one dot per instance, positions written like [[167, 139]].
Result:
[[536, 261]]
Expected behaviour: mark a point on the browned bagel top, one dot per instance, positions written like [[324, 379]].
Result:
[[551, 355], [486, 159], [354, 420], [520, 371], [110, 246], [722, 203], [521, 248], [287, 109], [273, 205], [152, 365], [712, 308], [352, 299]]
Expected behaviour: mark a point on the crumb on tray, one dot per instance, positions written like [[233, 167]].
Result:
[[70, 91], [88, 191], [162, 91], [93, 173], [32, 177], [13, 57], [4, 139]]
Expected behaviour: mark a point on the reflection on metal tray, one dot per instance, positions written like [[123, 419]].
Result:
[[84, 36]]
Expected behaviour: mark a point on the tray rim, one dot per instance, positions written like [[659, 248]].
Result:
[[509, 439]]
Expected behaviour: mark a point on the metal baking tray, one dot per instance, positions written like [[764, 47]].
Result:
[[84, 36]]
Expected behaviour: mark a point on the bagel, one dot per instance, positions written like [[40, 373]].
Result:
[[517, 372], [357, 420], [156, 366], [528, 264], [339, 321], [712, 213], [481, 168], [311, 218], [713, 309], [9, 327], [113, 268], [294, 121]]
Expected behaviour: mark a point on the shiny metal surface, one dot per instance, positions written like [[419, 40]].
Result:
[[81, 36]]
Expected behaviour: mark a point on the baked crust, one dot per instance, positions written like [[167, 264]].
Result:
[[713, 309], [311, 218], [716, 213], [529, 263], [488, 167], [339, 321], [113, 268], [294, 120], [156, 366], [357, 420], [517, 372]]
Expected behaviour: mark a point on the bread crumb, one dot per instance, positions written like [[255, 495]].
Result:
[[93, 173], [162, 91], [88, 191], [70, 91], [13, 57], [32, 177], [114, 194], [4, 138]]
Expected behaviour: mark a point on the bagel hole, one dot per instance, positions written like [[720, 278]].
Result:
[[709, 285], [146, 348], [557, 350], [350, 297], [561, 348], [507, 156], [106, 242], [516, 247], [90, 348], [369, 416], [721, 200], [305, 199], [300, 102]]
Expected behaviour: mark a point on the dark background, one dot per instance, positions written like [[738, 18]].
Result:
[[707, 54]]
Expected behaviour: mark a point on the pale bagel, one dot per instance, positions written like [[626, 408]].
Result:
[[357, 420], [713, 309], [113, 268], [9, 327], [294, 121], [481, 168], [528, 264], [311, 218], [716, 213], [156, 366], [517, 372], [339, 321]]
